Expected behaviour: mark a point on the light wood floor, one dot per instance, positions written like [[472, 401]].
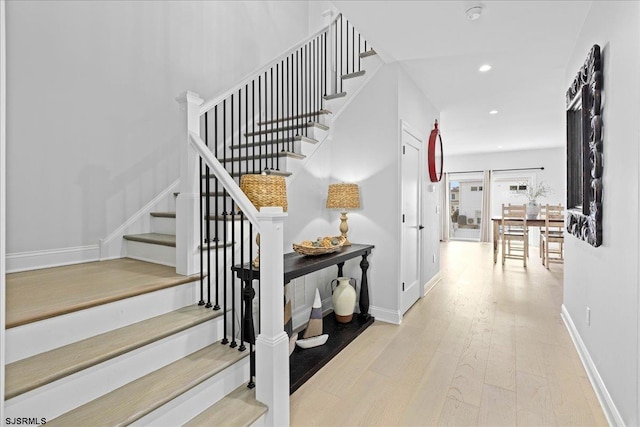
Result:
[[485, 347]]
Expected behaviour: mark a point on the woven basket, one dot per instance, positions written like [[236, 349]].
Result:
[[265, 190], [313, 250]]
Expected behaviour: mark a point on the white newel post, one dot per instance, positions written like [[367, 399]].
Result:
[[272, 345], [331, 64], [188, 201]]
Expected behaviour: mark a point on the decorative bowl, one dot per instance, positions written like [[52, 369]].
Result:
[[323, 245]]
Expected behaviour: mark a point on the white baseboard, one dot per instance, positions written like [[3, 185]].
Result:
[[22, 261], [385, 315], [431, 284], [606, 402]]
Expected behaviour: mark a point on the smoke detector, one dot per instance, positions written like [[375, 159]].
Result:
[[473, 12]]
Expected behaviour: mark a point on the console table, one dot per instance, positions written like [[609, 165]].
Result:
[[304, 363]]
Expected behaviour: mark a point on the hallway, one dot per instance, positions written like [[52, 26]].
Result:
[[486, 346]]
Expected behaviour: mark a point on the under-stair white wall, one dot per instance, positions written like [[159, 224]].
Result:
[[364, 148], [93, 125], [605, 278]]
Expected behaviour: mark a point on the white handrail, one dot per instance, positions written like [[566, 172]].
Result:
[[228, 183], [208, 105]]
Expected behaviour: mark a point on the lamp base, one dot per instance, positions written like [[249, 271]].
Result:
[[344, 227]]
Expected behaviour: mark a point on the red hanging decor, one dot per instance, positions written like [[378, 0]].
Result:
[[435, 157]]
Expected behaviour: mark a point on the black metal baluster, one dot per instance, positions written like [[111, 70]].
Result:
[[359, 50], [289, 109], [324, 64], [259, 118], [205, 218], [297, 94], [335, 53], [216, 238], [201, 302], [246, 126], [273, 126], [282, 98], [253, 122], [229, 215], [251, 339], [225, 340], [353, 48], [266, 114]]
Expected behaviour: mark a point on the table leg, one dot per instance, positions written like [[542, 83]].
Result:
[[340, 265], [364, 289], [495, 241]]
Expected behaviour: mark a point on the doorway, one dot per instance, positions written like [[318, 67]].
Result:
[[465, 204], [411, 217]]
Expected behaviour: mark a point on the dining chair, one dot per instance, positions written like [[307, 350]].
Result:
[[552, 235], [514, 233]]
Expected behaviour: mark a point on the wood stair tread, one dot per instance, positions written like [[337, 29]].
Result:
[[266, 172], [153, 238], [335, 96], [35, 371], [353, 75], [142, 396], [290, 118], [369, 52], [287, 128], [46, 293], [274, 141], [239, 409], [287, 154]]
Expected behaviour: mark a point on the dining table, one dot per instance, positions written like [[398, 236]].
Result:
[[531, 222]]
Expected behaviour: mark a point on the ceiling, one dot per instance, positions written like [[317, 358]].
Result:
[[527, 43]]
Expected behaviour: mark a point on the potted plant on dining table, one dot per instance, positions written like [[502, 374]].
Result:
[[533, 193]]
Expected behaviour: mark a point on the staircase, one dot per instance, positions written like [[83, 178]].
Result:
[[129, 341]]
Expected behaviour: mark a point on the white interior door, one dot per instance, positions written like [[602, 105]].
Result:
[[411, 220]]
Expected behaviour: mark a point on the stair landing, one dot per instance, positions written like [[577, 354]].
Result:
[[42, 294]]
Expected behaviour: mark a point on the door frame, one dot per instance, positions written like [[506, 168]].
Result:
[[406, 127], [3, 187]]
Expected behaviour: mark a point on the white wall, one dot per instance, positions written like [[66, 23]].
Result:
[[606, 278], [364, 147], [92, 118], [415, 109]]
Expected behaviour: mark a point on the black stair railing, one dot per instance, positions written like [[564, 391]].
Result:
[[250, 130]]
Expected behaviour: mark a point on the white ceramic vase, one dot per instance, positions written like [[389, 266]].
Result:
[[533, 210], [343, 299]]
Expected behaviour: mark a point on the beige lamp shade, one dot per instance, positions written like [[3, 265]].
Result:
[[265, 190], [343, 196]]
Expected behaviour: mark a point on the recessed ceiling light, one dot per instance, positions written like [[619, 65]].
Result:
[[493, 112], [499, 146], [484, 68]]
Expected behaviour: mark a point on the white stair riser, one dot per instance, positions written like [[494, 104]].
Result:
[[350, 85], [70, 392], [33, 338], [370, 62], [158, 254], [188, 405], [336, 103], [163, 225]]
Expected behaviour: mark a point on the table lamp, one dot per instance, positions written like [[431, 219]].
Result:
[[263, 191], [343, 197]]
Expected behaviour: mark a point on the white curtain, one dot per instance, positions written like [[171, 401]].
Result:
[[445, 213], [486, 224]]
